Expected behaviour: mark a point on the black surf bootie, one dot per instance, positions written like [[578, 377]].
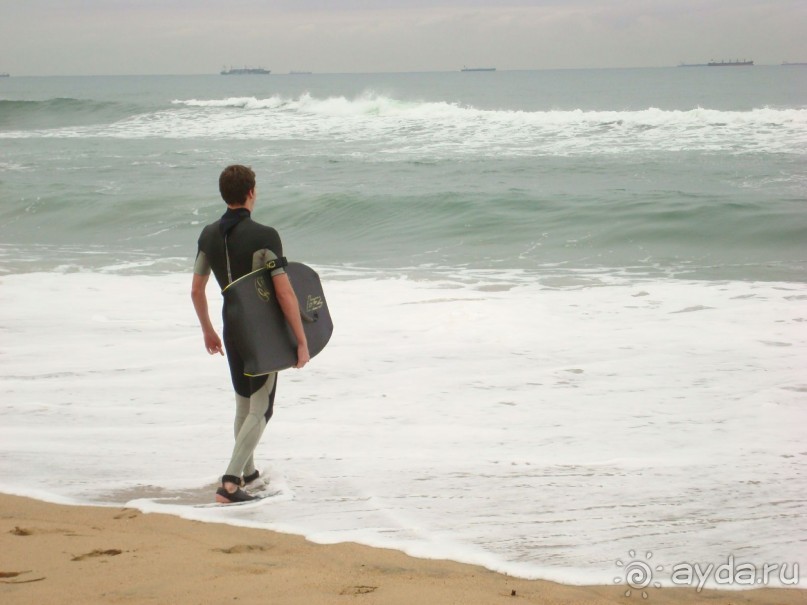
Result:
[[251, 478], [226, 497], [254, 482]]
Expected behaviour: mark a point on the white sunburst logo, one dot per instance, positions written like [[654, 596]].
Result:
[[638, 573]]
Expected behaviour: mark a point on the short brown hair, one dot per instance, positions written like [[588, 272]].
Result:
[[235, 183]]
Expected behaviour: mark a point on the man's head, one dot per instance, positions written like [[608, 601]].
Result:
[[235, 184]]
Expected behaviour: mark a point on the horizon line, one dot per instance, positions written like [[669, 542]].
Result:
[[335, 73]]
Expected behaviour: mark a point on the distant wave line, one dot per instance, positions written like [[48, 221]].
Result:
[[382, 106], [371, 123]]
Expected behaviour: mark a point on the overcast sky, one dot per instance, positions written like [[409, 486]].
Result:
[[71, 37]]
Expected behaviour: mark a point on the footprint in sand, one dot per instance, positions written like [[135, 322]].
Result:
[[9, 577], [128, 513], [356, 590], [26, 531], [97, 553], [243, 548]]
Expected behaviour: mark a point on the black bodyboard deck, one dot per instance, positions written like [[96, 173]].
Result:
[[265, 341]]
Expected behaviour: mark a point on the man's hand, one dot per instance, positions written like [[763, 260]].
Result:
[[213, 343], [303, 356]]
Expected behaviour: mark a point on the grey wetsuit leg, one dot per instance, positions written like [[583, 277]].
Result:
[[241, 413], [250, 421]]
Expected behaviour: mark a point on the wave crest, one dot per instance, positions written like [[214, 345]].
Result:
[[58, 112], [433, 129], [371, 104]]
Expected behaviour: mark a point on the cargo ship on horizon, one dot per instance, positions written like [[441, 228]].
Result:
[[736, 63], [245, 71]]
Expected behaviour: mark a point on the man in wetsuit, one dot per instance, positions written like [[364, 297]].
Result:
[[232, 247]]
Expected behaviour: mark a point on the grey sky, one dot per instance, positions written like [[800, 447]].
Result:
[[45, 37]]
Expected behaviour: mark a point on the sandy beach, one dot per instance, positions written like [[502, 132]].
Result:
[[81, 554]]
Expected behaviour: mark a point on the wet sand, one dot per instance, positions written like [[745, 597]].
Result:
[[82, 554]]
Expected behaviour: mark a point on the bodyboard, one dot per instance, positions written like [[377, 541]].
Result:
[[256, 322]]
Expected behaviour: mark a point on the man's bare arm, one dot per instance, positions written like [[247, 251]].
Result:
[[291, 310], [199, 298]]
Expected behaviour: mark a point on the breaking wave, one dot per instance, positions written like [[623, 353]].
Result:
[[439, 129]]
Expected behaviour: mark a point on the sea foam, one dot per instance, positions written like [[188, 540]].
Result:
[[446, 129], [537, 428]]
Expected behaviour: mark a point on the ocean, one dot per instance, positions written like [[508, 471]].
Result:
[[569, 308]]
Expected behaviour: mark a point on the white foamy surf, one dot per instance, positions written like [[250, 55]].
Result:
[[540, 428], [446, 129]]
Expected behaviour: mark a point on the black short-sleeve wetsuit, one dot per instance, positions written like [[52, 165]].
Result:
[[250, 246]]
